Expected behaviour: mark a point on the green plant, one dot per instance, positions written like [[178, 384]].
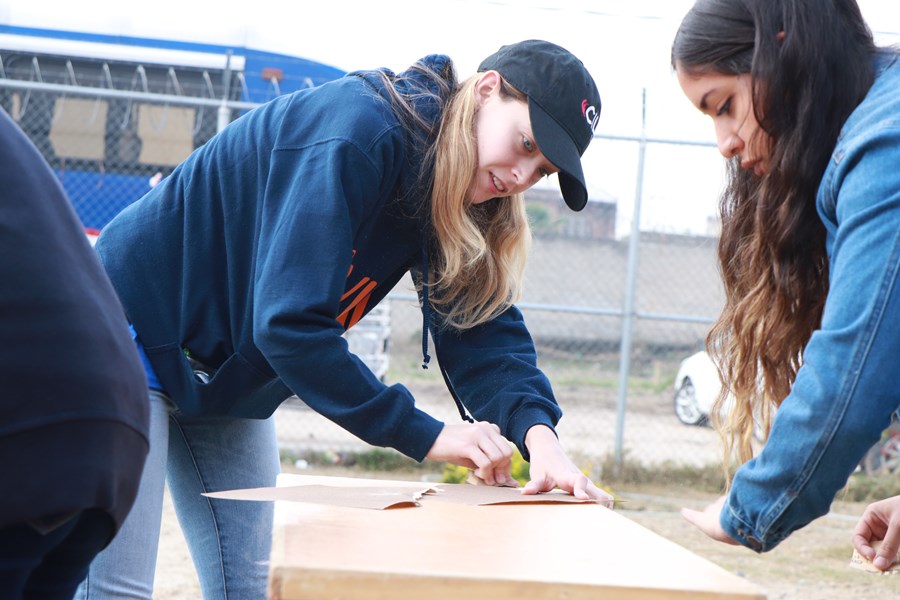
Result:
[[454, 474], [869, 488], [519, 469], [707, 478], [380, 459], [376, 459]]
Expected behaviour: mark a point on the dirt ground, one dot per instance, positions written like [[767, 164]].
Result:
[[652, 433], [810, 565]]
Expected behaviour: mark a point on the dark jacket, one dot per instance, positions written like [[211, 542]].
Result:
[[281, 232], [73, 396]]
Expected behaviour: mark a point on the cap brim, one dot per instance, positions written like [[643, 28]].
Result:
[[558, 147]]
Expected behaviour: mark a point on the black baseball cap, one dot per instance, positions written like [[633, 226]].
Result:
[[563, 103]]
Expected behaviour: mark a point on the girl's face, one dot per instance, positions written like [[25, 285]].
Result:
[[728, 99], [509, 161]]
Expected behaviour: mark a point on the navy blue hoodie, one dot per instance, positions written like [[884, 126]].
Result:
[[281, 232], [73, 396]]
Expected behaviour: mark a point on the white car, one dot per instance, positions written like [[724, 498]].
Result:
[[697, 386]]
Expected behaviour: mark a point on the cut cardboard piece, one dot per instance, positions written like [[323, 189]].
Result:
[[484, 495], [381, 495], [858, 561], [379, 498]]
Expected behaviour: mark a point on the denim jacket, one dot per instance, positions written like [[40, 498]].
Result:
[[849, 383]]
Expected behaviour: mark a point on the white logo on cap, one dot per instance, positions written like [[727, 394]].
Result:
[[590, 114]]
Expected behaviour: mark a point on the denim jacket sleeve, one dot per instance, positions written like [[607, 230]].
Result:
[[849, 383]]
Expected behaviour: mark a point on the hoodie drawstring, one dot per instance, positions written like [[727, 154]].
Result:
[[426, 325], [426, 309]]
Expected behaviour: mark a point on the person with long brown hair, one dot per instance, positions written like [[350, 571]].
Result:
[[806, 109], [241, 270]]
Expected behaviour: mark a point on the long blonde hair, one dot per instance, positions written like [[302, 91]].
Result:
[[479, 259]]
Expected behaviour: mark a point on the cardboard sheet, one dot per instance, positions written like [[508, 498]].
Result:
[[451, 548], [858, 561], [373, 494], [482, 495], [355, 497]]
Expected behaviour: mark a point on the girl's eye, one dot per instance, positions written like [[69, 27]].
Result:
[[724, 109], [527, 143]]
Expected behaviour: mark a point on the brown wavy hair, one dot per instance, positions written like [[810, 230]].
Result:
[[810, 63]]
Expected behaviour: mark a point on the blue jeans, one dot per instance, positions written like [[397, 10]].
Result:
[[229, 540]]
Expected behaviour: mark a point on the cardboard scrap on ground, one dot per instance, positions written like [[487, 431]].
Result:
[[382, 497], [858, 561]]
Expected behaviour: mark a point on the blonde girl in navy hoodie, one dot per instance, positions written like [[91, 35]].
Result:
[[241, 270]]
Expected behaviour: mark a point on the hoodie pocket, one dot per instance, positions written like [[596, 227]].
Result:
[[236, 388]]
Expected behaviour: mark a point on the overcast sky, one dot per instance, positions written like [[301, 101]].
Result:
[[624, 44]]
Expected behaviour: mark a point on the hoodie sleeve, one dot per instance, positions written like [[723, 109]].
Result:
[[315, 199], [493, 370]]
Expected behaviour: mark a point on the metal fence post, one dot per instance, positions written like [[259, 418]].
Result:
[[630, 283], [224, 114]]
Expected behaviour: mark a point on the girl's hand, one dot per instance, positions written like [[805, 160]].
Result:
[[478, 446], [880, 521], [550, 468], [707, 521]]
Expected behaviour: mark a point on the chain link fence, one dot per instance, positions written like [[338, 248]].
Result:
[[612, 315]]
